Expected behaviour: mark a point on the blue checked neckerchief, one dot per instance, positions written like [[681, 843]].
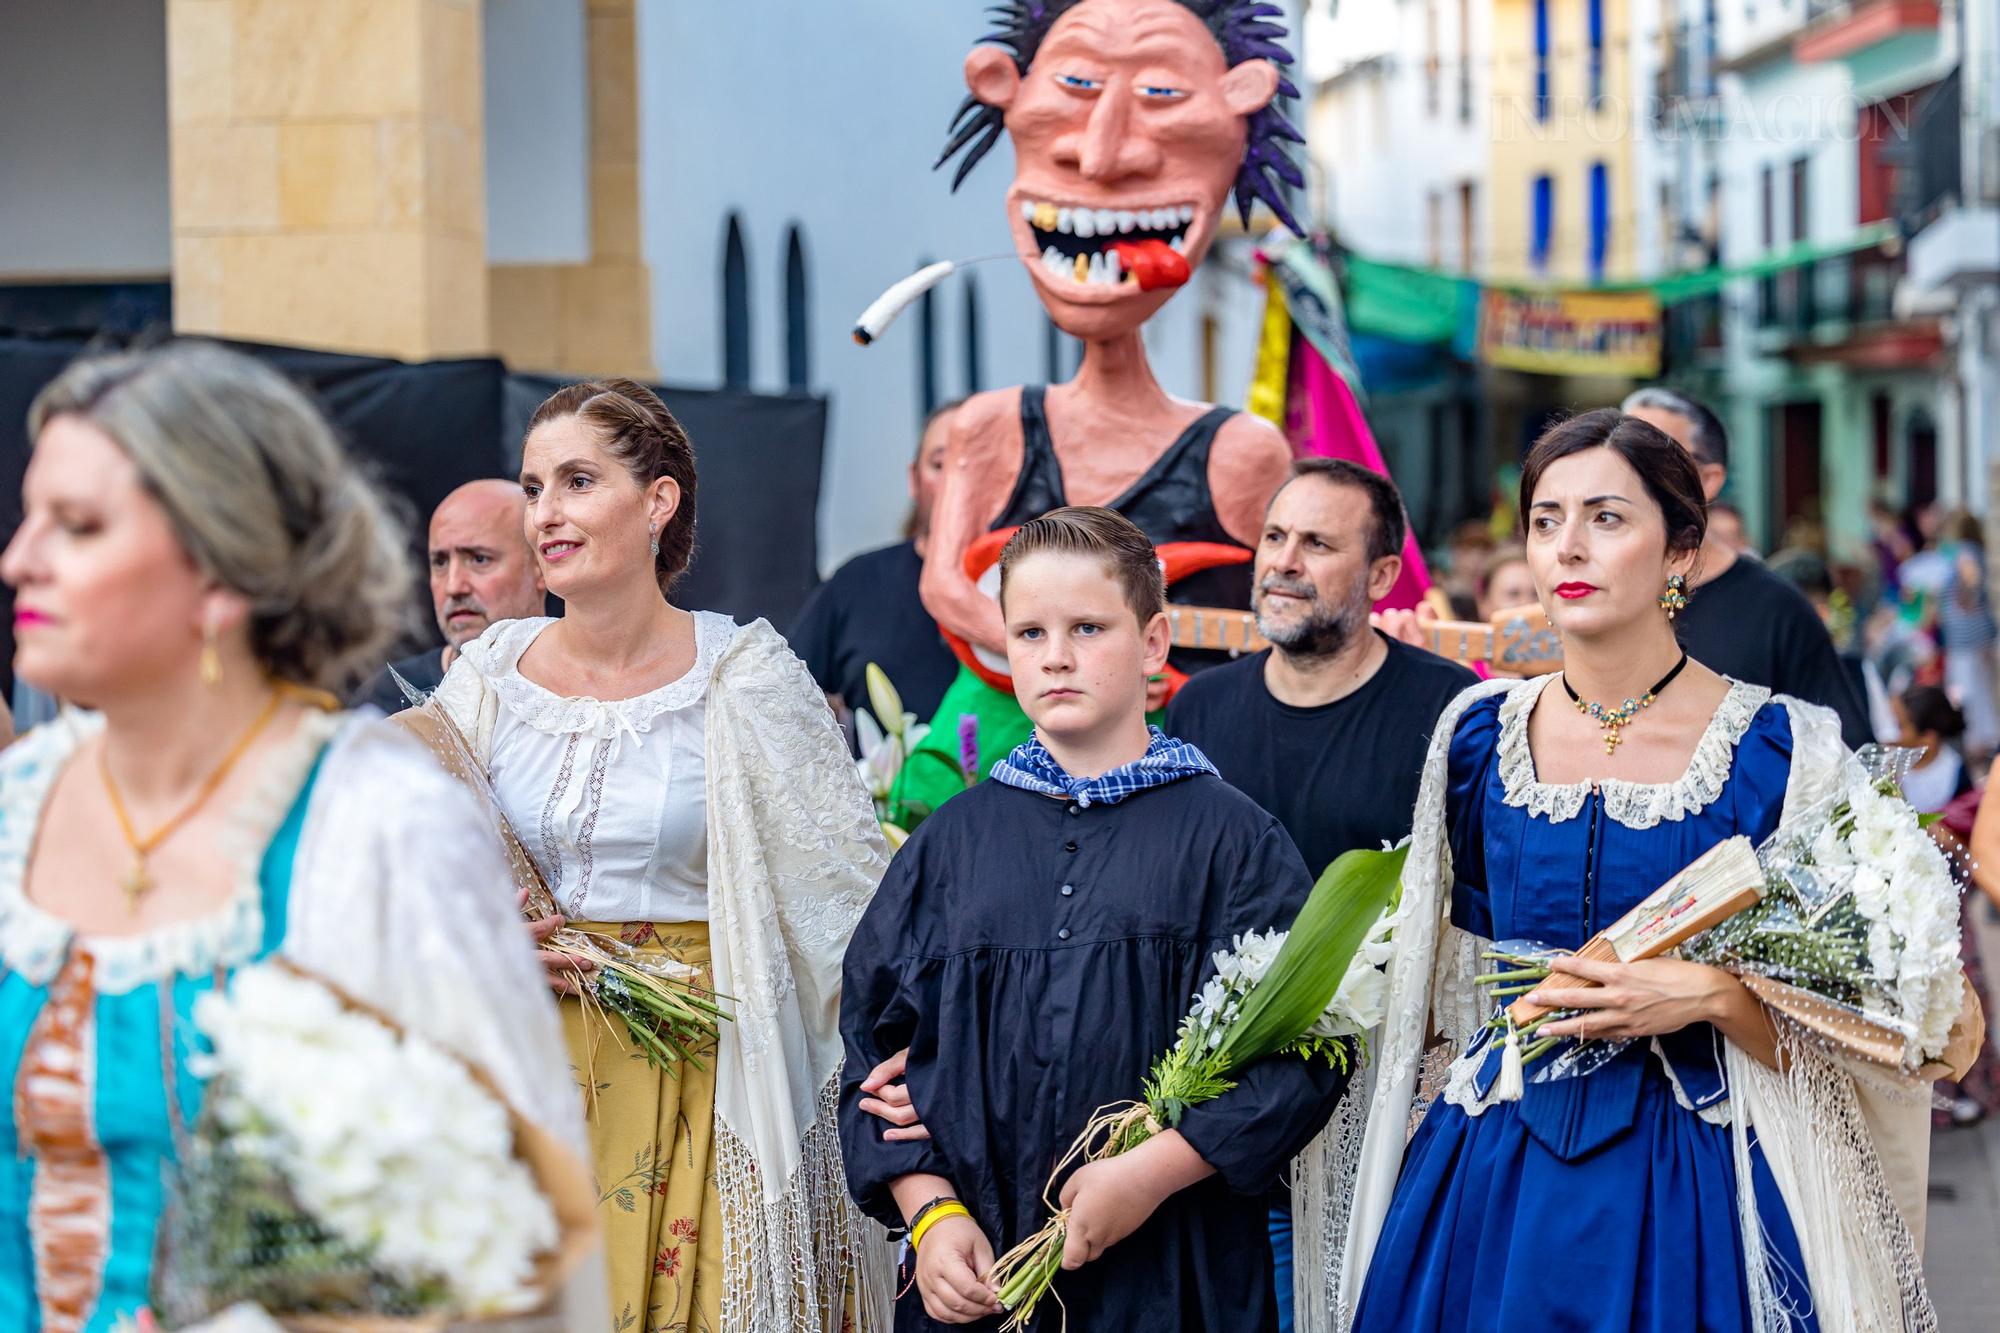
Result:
[[1032, 768]]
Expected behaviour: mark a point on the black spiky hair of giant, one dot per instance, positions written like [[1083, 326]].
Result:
[[1242, 28]]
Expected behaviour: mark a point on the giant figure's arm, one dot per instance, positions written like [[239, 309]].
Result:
[[1248, 464], [980, 465]]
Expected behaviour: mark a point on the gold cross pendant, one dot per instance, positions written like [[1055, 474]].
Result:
[[1612, 740], [137, 883]]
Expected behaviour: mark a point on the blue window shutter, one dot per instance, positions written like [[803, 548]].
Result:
[[1541, 59], [1543, 220], [1600, 219]]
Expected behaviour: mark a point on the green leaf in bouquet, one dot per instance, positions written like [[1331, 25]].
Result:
[[1343, 907]]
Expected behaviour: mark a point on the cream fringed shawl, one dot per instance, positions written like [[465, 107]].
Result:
[[794, 854], [1849, 1153]]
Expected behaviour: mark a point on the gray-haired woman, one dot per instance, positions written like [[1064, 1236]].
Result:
[[198, 564]]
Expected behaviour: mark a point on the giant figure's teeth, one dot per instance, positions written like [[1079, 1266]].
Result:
[[1178, 245], [1045, 216], [1112, 265], [1187, 213], [1163, 218], [1052, 260], [1082, 273], [1127, 219], [1064, 221], [1027, 211], [1085, 222], [1106, 220], [1097, 268]]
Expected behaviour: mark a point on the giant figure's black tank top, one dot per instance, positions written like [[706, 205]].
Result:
[[1170, 502]]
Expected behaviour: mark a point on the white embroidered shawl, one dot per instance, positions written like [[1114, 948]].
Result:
[[794, 855], [1849, 1153]]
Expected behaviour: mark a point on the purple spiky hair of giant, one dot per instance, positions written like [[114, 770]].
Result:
[[1242, 28]]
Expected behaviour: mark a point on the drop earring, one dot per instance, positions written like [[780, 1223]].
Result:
[[1675, 599], [211, 656], [653, 539]]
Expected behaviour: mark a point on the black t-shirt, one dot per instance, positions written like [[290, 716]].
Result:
[[1758, 627], [869, 611], [1339, 776]]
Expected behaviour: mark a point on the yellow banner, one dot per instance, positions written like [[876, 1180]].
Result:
[[1274, 354], [1571, 333]]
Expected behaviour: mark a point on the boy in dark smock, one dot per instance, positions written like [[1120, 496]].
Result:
[[1036, 944]]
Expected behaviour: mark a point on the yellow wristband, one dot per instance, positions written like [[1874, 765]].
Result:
[[934, 1216]]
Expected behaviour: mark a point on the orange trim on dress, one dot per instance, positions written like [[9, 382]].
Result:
[[69, 1210]]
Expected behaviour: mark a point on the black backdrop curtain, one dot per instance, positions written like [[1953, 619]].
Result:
[[427, 427]]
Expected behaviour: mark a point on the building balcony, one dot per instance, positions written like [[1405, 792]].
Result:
[[1875, 30], [1842, 309], [1958, 251], [1686, 100]]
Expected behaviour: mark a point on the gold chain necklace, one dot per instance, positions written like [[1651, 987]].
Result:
[[138, 881]]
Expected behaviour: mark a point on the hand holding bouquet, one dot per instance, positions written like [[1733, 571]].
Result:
[[1277, 992], [1845, 922], [344, 1169]]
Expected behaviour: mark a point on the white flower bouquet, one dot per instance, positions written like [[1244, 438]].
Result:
[[1277, 992], [345, 1173], [1845, 921]]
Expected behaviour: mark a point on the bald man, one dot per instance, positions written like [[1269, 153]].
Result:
[[482, 572]]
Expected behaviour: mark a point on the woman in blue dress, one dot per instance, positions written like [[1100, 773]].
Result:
[[197, 563], [1638, 1196]]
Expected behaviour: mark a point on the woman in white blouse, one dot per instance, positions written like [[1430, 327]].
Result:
[[683, 788]]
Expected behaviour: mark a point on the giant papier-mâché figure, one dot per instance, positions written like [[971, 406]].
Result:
[[1134, 122]]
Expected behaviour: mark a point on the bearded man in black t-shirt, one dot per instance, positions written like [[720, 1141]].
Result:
[[1327, 728]]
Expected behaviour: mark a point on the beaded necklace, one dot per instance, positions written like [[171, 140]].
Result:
[[1609, 720]]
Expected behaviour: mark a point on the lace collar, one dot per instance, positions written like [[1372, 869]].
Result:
[[35, 942], [496, 655], [1636, 805]]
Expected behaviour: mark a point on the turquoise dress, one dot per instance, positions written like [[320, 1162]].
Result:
[[94, 1040]]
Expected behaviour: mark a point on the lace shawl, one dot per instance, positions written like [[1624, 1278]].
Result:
[[1825, 1132], [794, 854]]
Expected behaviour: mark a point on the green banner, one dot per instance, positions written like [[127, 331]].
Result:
[[1422, 305]]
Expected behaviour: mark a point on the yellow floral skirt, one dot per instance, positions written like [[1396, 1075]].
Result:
[[652, 1139]]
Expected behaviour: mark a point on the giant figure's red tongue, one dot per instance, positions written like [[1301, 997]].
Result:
[[1153, 264]]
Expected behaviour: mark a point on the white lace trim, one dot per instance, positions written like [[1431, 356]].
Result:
[[1716, 1112], [34, 942], [1636, 805], [496, 655], [1461, 1086]]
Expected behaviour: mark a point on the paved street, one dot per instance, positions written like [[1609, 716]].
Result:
[[1962, 1249], [1962, 1241]]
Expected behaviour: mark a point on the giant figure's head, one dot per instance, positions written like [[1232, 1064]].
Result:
[[1133, 122]]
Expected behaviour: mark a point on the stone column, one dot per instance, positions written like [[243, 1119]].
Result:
[[593, 318], [328, 173]]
